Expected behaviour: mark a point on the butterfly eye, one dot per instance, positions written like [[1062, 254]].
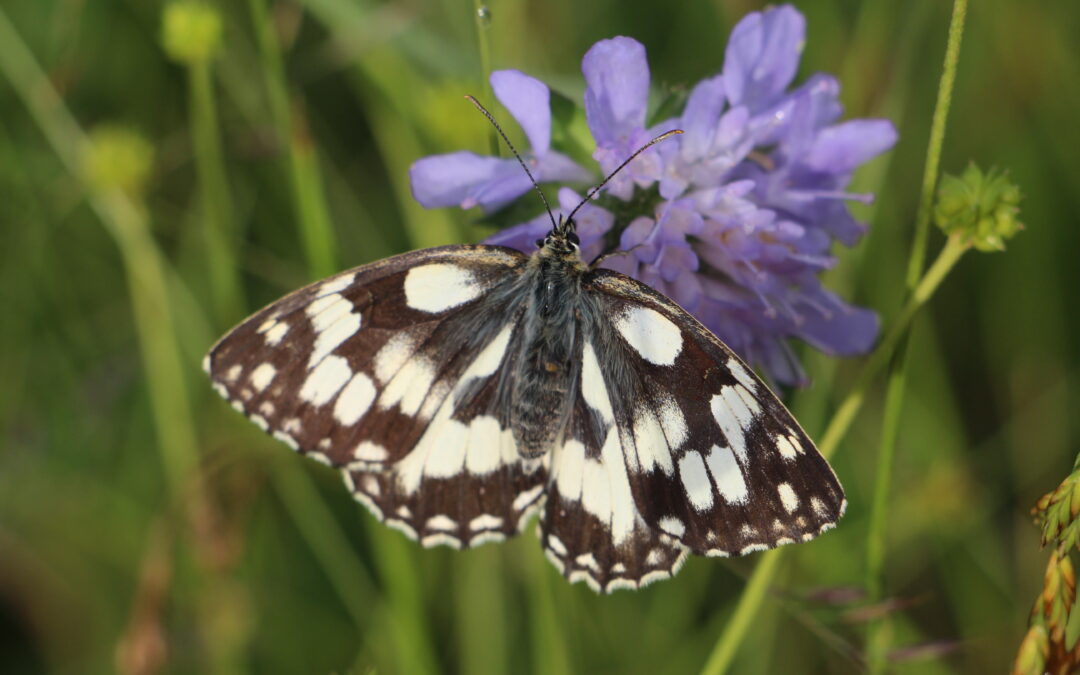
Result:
[[573, 238], [540, 243]]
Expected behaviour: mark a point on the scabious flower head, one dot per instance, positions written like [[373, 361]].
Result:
[[734, 219]]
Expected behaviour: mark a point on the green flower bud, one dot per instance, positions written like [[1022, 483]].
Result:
[[117, 158], [981, 207], [191, 31]]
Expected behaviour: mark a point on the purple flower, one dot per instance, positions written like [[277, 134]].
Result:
[[735, 218], [466, 179]]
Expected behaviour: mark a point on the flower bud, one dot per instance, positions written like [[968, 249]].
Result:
[[981, 207], [191, 31]]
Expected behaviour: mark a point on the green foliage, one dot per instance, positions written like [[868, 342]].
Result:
[[145, 527]]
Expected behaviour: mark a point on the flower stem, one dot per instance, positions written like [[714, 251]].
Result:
[[482, 15], [309, 201], [754, 592], [218, 230], [877, 643]]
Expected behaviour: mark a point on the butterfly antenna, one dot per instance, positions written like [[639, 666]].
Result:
[[592, 193], [519, 159]]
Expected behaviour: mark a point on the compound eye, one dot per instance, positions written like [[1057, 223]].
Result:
[[574, 239], [540, 243]]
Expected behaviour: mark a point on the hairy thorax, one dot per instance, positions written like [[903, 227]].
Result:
[[546, 362]]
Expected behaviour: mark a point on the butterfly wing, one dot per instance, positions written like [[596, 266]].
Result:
[[674, 444], [391, 372]]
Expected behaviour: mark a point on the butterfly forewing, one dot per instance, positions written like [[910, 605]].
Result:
[[393, 372], [715, 459]]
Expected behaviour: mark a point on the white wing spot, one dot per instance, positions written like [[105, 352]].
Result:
[[569, 469], [439, 286], [488, 360], [783, 444], [370, 485], [485, 522], [734, 417], [276, 333], [441, 522], [741, 373], [672, 526], [555, 544], [592, 385], [355, 399], [587, 560], [819, 507], [654, 558], [393, 355], [753, 548], [696, 481], [336, 284], [673, 422], [259, 421], [654, 336], [333, 335], [370, 452], [287, 439], [727, 475], [788, 498], [262, 376], [409, 386], [323, 383], [486, 439], [650, 442], [233, 373], [526, 498]]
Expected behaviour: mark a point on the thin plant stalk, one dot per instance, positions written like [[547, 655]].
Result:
[[482, 16], [308, 190], [217, 212], [877, 631], [754, 593]]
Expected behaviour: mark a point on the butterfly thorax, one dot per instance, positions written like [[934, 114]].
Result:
[[547, 364]]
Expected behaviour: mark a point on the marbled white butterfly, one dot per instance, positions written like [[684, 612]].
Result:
[[460, 389]]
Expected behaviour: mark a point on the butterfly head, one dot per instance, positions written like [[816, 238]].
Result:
[[562, 239]]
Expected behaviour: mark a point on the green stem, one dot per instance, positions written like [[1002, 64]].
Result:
[[218, 232], [878, 631], [309, 194], [754, 592], [936, 142], [482, 14], [849, 408], [745, 612]]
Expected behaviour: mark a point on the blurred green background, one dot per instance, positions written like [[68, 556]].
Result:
[[145, 527]]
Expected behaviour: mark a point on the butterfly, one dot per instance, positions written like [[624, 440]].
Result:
[[461, 389]]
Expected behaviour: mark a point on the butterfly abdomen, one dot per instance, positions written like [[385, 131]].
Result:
[[543, 386]]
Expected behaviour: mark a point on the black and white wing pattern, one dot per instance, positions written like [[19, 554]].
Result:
[[407, 375], [391, 373], [674, 446]]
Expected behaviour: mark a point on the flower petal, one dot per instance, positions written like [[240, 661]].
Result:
[[700, 117], [529, 101], [762, 55], [449, 180], [845, 331], [617, 88], [841, 148]]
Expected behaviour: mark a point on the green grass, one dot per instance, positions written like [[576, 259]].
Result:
[[143, 522]]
